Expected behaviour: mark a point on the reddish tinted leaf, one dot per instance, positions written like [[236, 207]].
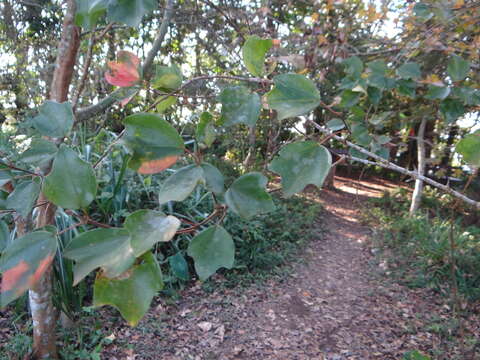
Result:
[[24, 262], [12, 276], [124, 71], [42, 267], [155, 166]]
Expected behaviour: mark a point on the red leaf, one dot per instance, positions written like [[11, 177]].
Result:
[[155, 166], [42, 267], [13, 275], [124, 71]]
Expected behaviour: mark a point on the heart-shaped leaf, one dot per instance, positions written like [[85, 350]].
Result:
[[23, 197], [54, 119], [300, 164], [123, 72], [39, 152], [181, 184], [239, 105], [205, 133], [247, 196], [154, 143], [293, 95], [254, 51], [211, 250], [147, 227], [409, 70], [214, 180], [109, 249], [458, 68], [132, 293], [469, 148], [168, 78], [24, 262], [89, 12], [71, 184], [129, 12], [179, 266]]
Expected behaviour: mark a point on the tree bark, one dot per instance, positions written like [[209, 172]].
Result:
[[417, 193], [40, 296]]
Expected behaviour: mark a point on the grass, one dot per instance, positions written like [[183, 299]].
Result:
[[418, 248]]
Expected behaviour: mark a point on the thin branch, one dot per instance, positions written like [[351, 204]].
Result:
[[92, 110], [208, 77], [162, 31], [389, 165]]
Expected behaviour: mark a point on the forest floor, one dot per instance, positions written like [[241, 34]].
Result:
[[335, 303]]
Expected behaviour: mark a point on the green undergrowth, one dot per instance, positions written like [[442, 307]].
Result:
[[267, 244], [417, 249]]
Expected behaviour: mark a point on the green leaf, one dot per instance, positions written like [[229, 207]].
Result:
[[181, 184], [355, 153], [247, 196], [377, 119], [4, 236], [5, 177], [23, 197], [407, 88], [239, 105], [437, 92], [335, 124], [71, 184], [214, 180], [254, 51], [422, 11], [451, 109], [361, 135], [409, 70], [349, 98], [458, 68], [179, 266], [129, 12], [378, 67], [24, 262], [293, 95], [211, 250], [39, 152], [132, 293], [88, 12], [163, 105], [468, 95], [469, 148], [205, 133], [154, 143], [353, 66], [109, 249], [168, 78], [147, 227], [374, 95], [300, 164], [54, 119]]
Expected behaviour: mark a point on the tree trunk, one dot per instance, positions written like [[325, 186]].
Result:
[[40, 296], [417, 193]]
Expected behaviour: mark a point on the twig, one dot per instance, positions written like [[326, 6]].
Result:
[[13, 167], [208, 77], [162, 31], [108, 149]]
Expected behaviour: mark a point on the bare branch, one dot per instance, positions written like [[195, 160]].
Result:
[[389, 165]]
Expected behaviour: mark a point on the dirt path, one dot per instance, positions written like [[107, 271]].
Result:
[[330, 307]]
